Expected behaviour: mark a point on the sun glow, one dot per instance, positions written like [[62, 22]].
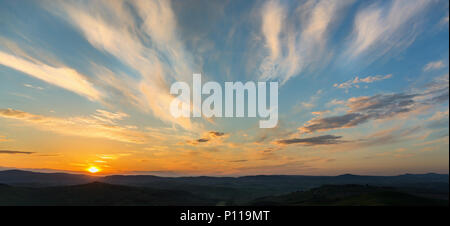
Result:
[[93, 169]]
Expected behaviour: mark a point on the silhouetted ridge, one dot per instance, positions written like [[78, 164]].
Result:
[[348, 195], [224, 190], [98, 193]]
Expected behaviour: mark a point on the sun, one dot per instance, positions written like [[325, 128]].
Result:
[[93, 169]]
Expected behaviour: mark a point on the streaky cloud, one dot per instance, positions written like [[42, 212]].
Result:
[[354, 82], [383, 27], [94, 126], [146, 42], [319, 140], [61, 76], [9, 152], [380, 106], [293, 47], [434, 65]]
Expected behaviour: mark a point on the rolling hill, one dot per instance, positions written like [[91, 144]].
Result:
[[29, 186], [348, 195], [98, 194]]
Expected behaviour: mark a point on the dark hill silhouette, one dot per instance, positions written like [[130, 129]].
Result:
[[19, 177], [348, 195], [97, 193], [102, 194], [234, 190], [28, 178]]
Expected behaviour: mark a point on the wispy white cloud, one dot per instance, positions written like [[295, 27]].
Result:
[[354, 82], [293, 47], [380, 28], [33, 87], [434, 65], [272, 21], [61, 76], [146, 42], [109, 117], [100, 125]]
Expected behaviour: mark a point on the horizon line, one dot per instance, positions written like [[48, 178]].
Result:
[[215, 176]]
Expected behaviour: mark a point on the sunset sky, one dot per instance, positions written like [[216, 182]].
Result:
[[363, 86]]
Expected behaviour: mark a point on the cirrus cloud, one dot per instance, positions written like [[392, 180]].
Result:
[[354, 82], [434, 65], [60, 76], [94, 126]]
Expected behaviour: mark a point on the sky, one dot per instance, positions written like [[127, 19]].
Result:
[[363, 86]]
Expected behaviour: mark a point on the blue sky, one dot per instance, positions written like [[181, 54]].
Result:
[[363, 85]]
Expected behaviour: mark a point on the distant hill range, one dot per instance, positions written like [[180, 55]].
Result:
[[31, 188], [349, 195]]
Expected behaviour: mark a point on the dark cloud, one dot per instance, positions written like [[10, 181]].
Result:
[[15, 152], [202, 140], [319, 140], [208, 137], [216, 134], [441, 98], [269, 150], [383, 105], [344, 121], [363, 109], [241, 160]]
